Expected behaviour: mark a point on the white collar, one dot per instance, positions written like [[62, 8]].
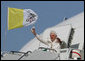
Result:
[[53, 41]]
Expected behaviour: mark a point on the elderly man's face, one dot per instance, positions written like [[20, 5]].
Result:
[[53, 36]]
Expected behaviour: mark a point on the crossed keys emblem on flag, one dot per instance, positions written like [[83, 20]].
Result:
[[31, 18]]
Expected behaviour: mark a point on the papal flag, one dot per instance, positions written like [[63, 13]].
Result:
[[20, 17]]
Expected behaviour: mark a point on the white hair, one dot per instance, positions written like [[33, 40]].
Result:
[[53, 32]]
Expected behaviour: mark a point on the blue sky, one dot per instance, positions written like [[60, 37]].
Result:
[[50, 13]]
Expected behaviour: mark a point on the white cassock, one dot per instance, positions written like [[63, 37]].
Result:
[[49, 43]]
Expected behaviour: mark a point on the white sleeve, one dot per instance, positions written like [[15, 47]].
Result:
[[41, 40], [57, 47]]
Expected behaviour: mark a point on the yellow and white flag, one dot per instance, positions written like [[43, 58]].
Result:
[[20, 17]]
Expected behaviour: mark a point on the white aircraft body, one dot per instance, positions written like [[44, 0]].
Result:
[[71, 31]]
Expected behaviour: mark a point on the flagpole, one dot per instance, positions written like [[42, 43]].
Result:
[[4, 43]]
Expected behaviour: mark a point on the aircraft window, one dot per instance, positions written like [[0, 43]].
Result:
[[75, 46]]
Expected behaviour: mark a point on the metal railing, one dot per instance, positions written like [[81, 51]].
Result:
[[25, 54]]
